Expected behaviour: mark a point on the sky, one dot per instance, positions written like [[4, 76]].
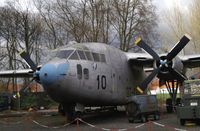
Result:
[[161, 4], [24, 4], [164, 4]]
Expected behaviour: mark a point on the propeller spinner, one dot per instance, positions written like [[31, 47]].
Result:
[[162, 63]]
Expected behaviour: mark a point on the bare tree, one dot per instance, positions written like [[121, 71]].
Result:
[[178, 24], [18, 30], [87, 20], [131, 18], [100, 20], [8, 32], [194, 24], [51, 30], [174, 18]]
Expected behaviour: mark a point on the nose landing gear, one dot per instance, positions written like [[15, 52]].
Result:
[[71, 112], [68, 111]]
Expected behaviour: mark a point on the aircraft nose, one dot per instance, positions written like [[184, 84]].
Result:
[[50, 73]]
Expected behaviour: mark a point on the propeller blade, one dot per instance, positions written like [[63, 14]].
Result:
[[26, 87], [28, 60], [147, 80], [177, 75], [178, 47], [139, 42], [161, 82], [22, 90]]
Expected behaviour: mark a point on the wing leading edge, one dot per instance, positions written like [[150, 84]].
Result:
[[140, 59], [16, 73]]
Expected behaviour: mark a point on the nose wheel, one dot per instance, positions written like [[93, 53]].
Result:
[[68, 111], [61, 110]]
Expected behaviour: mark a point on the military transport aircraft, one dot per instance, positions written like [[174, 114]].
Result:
[[96, 74]]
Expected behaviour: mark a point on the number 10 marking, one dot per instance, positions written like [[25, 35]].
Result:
[[101, 81]]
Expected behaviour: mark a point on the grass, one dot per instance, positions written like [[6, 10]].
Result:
[[162, 97]]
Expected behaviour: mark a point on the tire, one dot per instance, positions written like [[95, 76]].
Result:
[[182, 122], [131, 120], [178, 101], [198, 121], [143, 119], [61, 110], [156, 116], [69, 112], [169, 106], [132, 109], [78, 114]]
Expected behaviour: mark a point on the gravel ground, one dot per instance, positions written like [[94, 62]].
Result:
[[92, 122]]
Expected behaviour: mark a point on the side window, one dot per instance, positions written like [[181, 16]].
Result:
[[89, 56], [82, 55], [79, 71], [86, 73], [96, 57], [103, 58], [74, 56]]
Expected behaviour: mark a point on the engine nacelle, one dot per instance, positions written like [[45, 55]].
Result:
[[165, 73], [178, 65]]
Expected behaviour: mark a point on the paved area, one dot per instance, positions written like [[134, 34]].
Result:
[[91, 122]]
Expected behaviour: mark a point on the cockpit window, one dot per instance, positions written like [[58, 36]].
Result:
[[82, 55], [96, 57], [64, 53], [74, 56], [88, 55]]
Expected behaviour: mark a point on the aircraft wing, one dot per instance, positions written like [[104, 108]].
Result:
[[140, 59], [16, 73], [190, 61], [143, 59]]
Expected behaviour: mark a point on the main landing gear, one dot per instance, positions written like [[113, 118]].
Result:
[[172, 87]]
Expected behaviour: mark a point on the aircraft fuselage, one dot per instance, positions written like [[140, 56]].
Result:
[[92, 74]]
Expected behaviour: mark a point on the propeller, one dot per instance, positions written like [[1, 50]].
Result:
[[33, 66], [162, 63], [139, 42], [26, 87], [28, 60], [23, 90], [178, 47]]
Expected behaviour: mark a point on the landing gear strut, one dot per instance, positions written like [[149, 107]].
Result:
[[61, 110], [172, 87], [68, 111]]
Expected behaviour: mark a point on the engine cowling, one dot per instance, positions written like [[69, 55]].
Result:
[[175, 64], [178, 65]]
